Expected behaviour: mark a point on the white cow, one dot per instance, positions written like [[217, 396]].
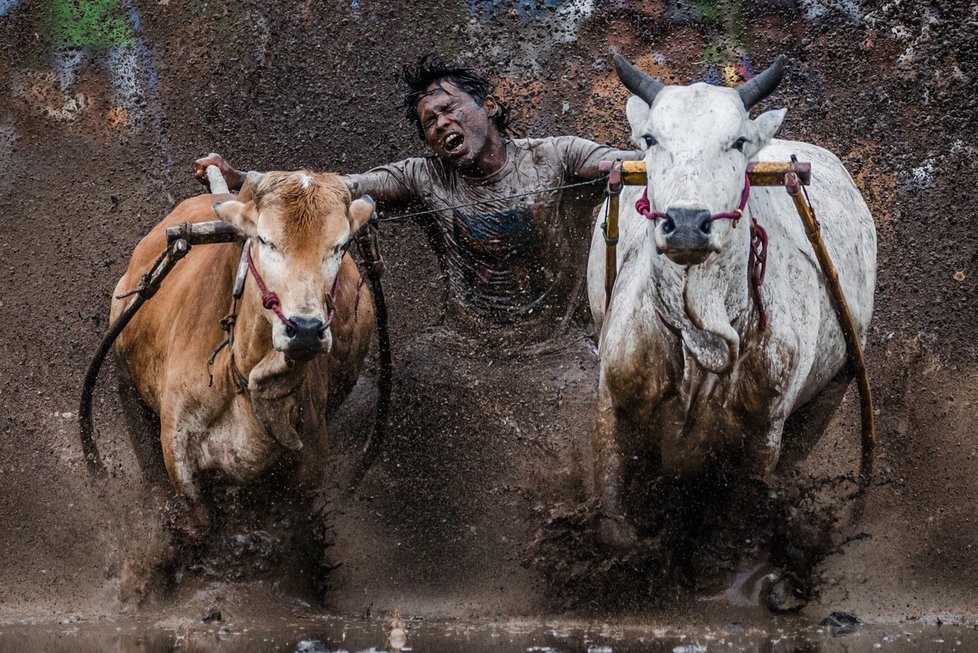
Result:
[[686, 371]]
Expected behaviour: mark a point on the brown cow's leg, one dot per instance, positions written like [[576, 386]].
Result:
[[274, 383], [613, 529], [175, 438], [312, 467]]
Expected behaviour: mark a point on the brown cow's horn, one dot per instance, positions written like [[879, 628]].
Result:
[[252, 181], [638, 82], [762, 85]]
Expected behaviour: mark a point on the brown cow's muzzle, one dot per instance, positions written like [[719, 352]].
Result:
[[307, 337]]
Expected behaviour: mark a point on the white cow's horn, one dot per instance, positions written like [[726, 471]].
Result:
[[762, 85], [638, 82]]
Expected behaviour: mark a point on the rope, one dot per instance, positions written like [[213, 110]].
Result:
[[644, 206], [269, 299], [757, 254], [405, 216]]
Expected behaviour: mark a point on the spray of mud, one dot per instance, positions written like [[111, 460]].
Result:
[[475, 506]]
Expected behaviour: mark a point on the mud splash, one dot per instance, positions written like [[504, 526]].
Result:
[[87, 172]]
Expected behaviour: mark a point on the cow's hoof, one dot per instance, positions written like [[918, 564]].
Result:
[[784, 594], [193, 521], [201, 518], [616, 534]]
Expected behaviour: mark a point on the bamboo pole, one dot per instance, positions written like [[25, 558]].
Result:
[[857, 361], [610, 229], [611, 253]]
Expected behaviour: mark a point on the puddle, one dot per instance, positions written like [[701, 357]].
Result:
[[335, 635]]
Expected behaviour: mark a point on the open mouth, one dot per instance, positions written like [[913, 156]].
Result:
[[302, 354], [687, 256], [452, 142]]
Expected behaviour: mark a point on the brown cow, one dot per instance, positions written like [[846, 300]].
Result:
[[286, 365]]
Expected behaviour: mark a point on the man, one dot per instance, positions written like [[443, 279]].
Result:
[[511, 238]]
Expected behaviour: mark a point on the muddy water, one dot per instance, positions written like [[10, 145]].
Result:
[[336, 635]]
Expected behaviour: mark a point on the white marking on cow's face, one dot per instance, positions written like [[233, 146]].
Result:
[[331, 264], [301, 270], [697, 140]]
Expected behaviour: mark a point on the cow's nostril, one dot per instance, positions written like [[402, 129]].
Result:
[[668, 226], [290, 330], [322, 332], [706, 226]]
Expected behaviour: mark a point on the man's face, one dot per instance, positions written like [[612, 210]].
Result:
[[455, 126]]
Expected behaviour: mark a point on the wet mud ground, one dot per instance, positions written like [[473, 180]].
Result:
[[469, 512], [332, 635]]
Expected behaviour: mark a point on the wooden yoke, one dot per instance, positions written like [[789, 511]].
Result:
[[633, 173], [760, 173]]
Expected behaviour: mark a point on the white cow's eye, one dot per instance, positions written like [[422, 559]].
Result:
[[649, 140], [267, 243], [740, 143]]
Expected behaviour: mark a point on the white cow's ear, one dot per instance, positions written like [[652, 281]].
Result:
[[637, 112], [238, 214], [768, 124], [360, 212]]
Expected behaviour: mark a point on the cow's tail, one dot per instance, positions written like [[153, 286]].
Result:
[[374, 265], [180, 244], [92, 459]]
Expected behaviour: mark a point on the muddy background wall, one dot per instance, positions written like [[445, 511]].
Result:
[[104, 106]]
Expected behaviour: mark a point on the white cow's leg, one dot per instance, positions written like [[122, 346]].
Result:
[[609, 477], [766, 449], [806, 425]]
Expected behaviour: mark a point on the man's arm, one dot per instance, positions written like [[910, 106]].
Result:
[[394, 183], [581, 156]]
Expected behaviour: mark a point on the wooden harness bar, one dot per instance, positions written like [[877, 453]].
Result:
[[761, 173], [632, 173]]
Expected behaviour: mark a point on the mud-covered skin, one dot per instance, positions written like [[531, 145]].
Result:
[[460, 130], [518, 255]]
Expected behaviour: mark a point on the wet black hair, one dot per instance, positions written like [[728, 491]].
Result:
[[433, 67]]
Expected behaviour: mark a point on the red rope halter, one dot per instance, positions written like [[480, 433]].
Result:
[[756, 256], [272, 303], [269, 299], [644, 206]]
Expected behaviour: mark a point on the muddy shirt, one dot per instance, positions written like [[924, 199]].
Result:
[[506, 258]]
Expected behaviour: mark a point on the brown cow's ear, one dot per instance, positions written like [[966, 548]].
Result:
[[238, 214], [360, 212]]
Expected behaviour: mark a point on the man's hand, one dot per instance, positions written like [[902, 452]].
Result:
[[233, 178]]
